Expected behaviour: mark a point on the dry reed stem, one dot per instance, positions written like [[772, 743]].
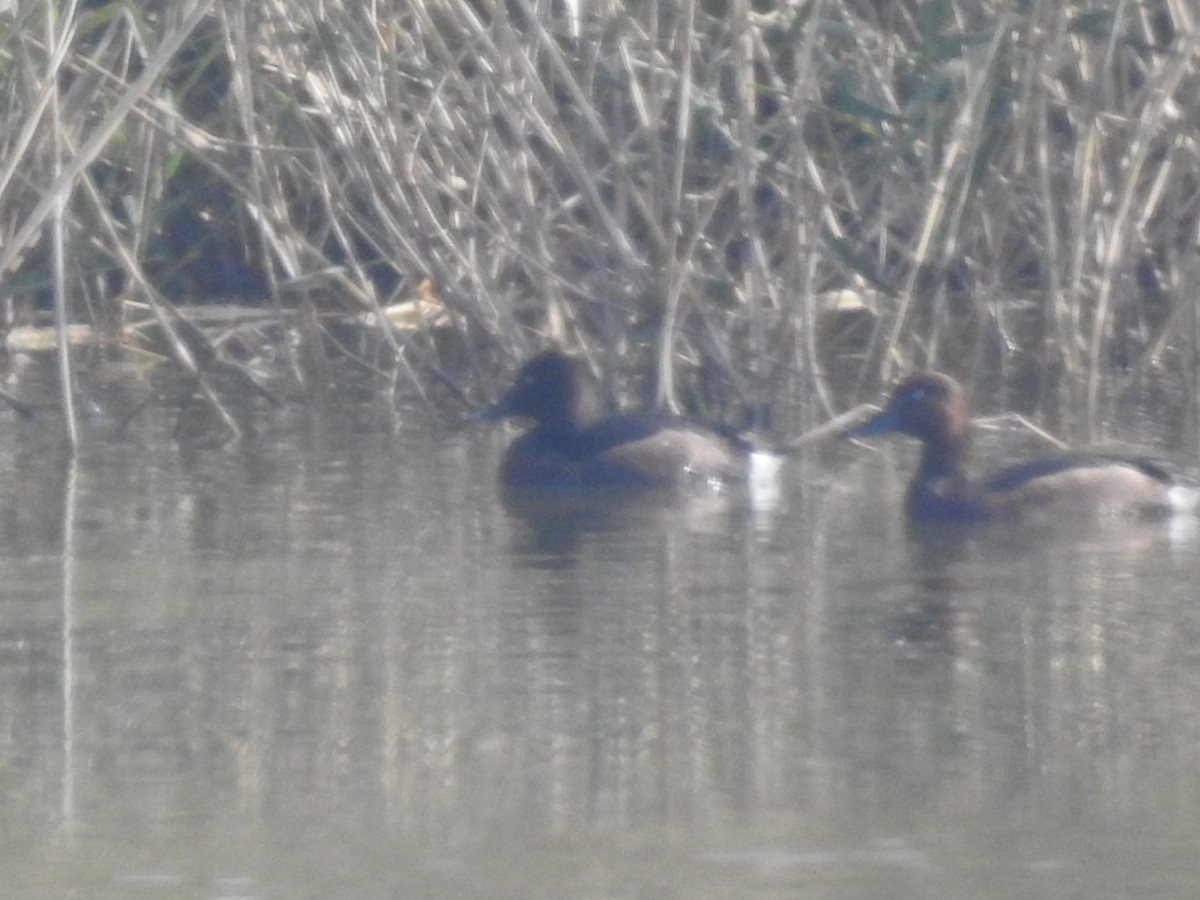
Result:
[[660, 187]]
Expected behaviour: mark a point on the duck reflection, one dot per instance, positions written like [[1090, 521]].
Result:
[[555, 523]]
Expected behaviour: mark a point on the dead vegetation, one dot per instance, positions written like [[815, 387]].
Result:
[[753, 201]]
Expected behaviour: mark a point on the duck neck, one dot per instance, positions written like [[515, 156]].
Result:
[[942, 458], [585, 408]]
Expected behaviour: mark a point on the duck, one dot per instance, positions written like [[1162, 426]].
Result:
[[932, 407], [574, 443]]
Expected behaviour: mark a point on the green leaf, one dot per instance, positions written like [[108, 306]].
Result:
[[1097, 24], [932, 18], [845, 99], [860, 264]]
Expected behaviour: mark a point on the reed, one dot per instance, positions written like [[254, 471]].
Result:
[[752, 201]]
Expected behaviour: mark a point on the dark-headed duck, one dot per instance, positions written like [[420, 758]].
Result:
[[574, 444], [933, 408]]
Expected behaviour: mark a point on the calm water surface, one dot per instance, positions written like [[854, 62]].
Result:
[[333, 663]]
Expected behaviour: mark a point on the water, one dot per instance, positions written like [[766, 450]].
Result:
[[334, 663]]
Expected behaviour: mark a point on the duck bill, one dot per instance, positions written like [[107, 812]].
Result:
[[883, 422], [492, 412]]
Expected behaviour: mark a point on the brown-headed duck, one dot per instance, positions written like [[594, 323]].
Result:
[[932, 407]]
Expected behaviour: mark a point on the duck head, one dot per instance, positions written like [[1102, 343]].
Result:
[[553, 388]]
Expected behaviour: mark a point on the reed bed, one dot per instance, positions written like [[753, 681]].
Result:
[[751, 201]]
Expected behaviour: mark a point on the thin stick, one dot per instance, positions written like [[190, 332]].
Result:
[[58, 238]]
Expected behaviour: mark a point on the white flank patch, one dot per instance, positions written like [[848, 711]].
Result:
[[762, 479], [1182, 499]]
